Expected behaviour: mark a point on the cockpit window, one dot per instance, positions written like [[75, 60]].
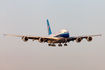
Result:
[[65, 32]]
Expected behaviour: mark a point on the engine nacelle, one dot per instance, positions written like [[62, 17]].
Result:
[[41, 40], [89, 39], [78, 40], [25, 39]]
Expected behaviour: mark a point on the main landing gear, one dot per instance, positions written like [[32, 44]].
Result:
[[65, 44], [60, 45], [51, 44]]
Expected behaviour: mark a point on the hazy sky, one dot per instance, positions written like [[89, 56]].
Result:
[[28, 17]]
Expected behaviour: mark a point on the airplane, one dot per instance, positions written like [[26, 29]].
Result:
[[60, 37]]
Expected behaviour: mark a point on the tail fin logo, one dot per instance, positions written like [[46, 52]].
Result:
[[48, 27]]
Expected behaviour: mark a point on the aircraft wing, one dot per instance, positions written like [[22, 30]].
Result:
[[12, 35], [46, 39], [81, 37], [31, 37]]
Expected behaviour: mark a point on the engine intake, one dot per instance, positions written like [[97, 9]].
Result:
[[89, 39], [78, 40], [25, 39], [41, 40]]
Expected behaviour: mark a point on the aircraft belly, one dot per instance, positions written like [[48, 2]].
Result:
[[62, 40]]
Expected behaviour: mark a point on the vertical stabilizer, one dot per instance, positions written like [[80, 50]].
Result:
[[49, 29]]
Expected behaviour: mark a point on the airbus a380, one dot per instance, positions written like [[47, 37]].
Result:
[[59, 37]]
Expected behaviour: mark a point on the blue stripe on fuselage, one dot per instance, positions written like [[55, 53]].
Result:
[[65, 35]]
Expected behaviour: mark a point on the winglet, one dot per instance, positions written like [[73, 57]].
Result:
[[4, 34], [100, 34], [49, 29]]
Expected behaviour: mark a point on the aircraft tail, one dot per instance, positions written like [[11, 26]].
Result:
[[49, 29]]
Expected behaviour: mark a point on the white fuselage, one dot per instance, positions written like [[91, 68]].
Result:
[[59, 37]]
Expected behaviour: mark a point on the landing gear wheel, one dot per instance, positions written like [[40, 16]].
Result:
[[60, 45], [53, 44], [49, 44], [65, 44]]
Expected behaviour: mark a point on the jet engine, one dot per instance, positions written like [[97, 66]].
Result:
[[25, 39], [41, 40], [78, 40], [89, 39]]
